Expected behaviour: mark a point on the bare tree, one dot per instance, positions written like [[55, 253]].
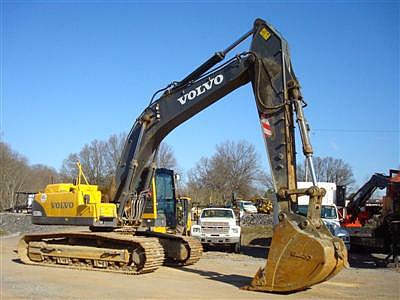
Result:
[[329, 169], [166, 158], [200, 184], [39, 177], [113, 150], [18, 176], [93, 160], [234, 167], [99, 160], [69, 169], [265, 183], [14, 171]]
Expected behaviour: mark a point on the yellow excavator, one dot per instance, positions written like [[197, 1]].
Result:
[[303, 252], [80, 203]]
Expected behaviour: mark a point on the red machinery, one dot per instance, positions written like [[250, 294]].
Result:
[[369, 224]]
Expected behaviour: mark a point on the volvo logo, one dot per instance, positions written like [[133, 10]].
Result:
[[201, 89], [62, 205]]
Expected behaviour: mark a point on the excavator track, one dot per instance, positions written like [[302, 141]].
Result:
[[179, 250], [105, 252], [196, 250]]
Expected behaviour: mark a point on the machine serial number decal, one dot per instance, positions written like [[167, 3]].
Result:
[[265, 34]]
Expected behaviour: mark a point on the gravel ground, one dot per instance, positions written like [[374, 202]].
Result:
[[11, 223], [15, 223], [218, 275], [256, 220]]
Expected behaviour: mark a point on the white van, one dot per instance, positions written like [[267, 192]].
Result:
[[247, 206]]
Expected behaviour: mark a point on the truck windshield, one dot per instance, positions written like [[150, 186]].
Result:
[[216, 213], [327, 211]]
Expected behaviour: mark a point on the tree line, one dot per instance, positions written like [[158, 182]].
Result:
[[234, 167], [17, 175], [98, 159]]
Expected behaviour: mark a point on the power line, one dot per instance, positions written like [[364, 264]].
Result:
[[356, 130]]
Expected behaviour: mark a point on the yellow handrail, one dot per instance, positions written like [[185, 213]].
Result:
[[80, 173]]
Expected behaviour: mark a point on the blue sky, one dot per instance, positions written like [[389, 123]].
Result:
[[74, 71]]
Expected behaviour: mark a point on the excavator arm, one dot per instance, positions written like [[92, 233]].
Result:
[[303, 252]]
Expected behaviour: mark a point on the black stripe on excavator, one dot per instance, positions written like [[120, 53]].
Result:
[[80, 221], [75, 221]]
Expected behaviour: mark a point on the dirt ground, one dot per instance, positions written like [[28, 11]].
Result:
[[217, 275]]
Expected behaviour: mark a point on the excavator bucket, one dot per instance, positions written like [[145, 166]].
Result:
[[302, 253]]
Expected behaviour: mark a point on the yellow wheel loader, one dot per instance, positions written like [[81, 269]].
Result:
[[303, 251]]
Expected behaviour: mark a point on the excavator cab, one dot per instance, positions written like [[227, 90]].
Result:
[[164, 211]]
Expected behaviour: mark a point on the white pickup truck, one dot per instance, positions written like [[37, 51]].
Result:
[[218, 226]]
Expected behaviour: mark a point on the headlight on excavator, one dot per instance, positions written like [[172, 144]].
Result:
[[36, 213]]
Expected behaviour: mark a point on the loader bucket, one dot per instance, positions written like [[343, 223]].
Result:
[[299, 257]]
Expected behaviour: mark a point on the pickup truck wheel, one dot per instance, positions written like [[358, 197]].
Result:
[[236, 247]]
